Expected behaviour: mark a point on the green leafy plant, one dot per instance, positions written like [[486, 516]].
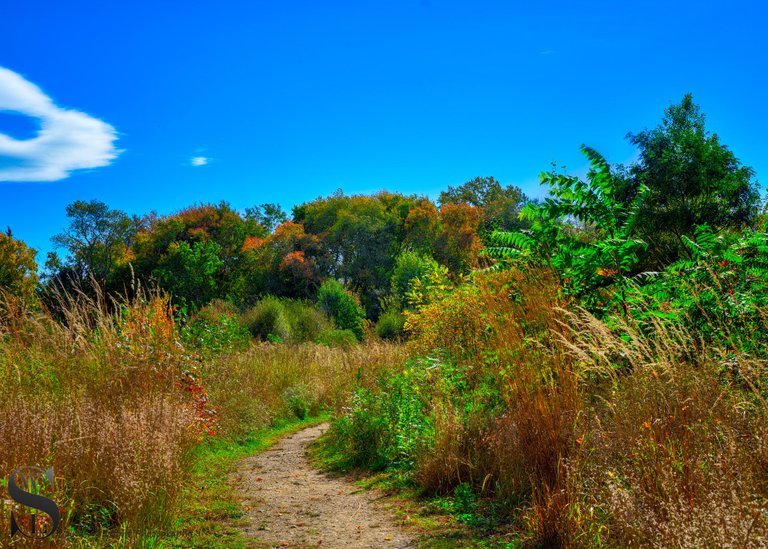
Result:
[[300, 400], [216, 328], [306, 320], [584, 230], [390, 325], [720, 290], [268, 318], [340, 305]]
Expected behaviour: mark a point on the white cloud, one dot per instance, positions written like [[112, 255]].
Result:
[[199, 160], [68, 140]]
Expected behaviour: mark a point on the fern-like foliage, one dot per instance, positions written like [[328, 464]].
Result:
[[583, 230], [720, 290]]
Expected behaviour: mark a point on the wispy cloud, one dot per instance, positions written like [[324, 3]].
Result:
[[68, 140], [199, 160]]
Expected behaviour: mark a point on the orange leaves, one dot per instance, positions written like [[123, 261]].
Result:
[[293, 259], [206, 420], [206, 220], [252, 243], [146, 326], [149, 335], [286, 260], [289, 230]]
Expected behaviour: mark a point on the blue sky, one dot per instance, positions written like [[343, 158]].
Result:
[[284, 101]]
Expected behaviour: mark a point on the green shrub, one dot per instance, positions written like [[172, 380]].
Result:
[[409, 266], [216, 328], [390, 325], [268, 318], [720, 291], [337, 338], [384, 428], [340, 305], [306, 320]]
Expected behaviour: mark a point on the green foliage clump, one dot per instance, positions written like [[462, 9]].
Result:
[[216, 328], [306, 321], [268, 320], [396, 424], [190, 272], [18, 270], [390, 325], [719, 291], [383, 428], [340, 305], [431, 286], [337, 338], [584, 230], [283, 320], [408, 267]]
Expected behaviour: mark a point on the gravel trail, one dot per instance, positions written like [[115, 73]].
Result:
[[289, 503]]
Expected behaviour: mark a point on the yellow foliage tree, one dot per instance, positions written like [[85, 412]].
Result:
[[18, 270]]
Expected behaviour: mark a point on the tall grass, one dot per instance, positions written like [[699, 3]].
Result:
[[108, 394], [102, 397], [588, 434]]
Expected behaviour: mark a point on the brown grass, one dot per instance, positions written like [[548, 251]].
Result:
[[112, 400], [620, 435]]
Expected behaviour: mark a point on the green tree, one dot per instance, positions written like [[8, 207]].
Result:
[[363, 235], [340, 305], [269, 216], [190, 272], [207, 228], [96, 239], [500, 205], [692, 179]]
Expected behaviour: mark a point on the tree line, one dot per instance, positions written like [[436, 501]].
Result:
[[617, 222]]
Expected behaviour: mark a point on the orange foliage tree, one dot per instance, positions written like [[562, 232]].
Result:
[[288, 262]]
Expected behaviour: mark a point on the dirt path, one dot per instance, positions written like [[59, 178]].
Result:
[[291, 504]]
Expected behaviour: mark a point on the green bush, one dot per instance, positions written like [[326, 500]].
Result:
[[268, 318], [306, 320], [385, 427], [390, 325], [719, 291], [216, 328], [337, 338], [340, 305], [409, 266]]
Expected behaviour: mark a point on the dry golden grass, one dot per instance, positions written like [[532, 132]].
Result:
[[620, 435], [110, 398], [250, 388]]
